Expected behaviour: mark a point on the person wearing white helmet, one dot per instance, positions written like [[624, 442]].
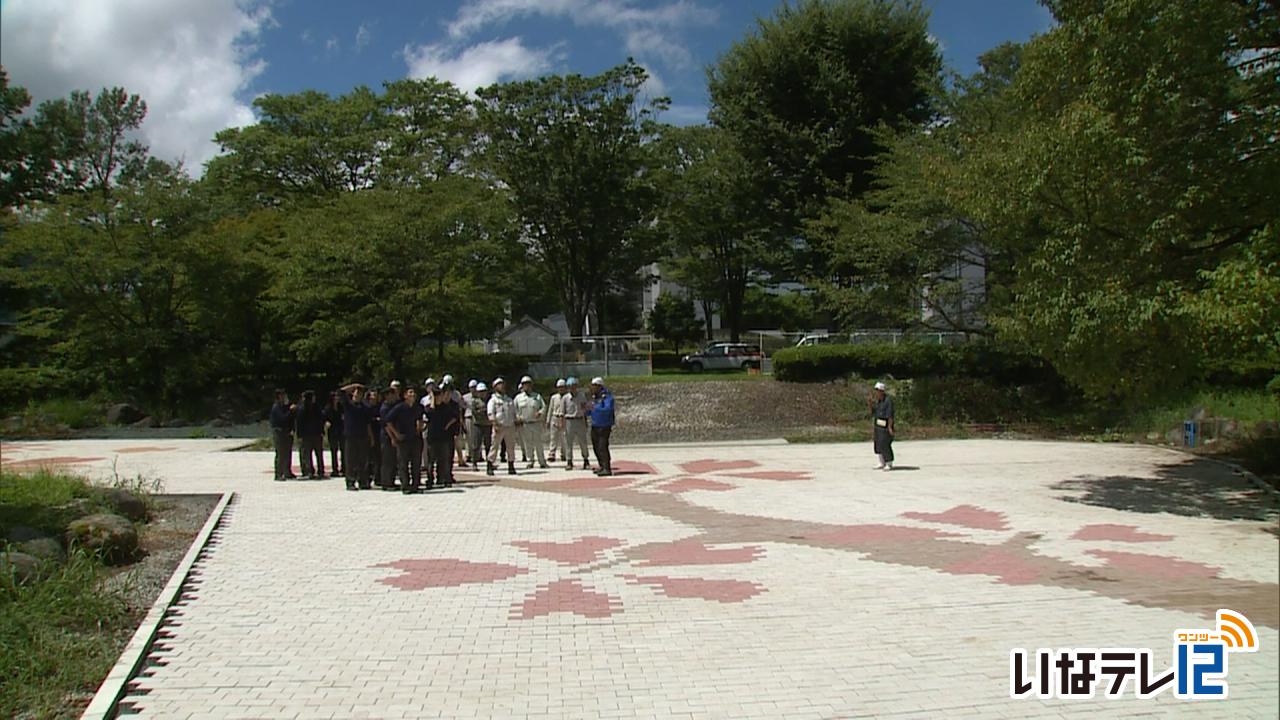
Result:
[[481, 433], [555, 420], [531, 419], [467, 418], [459, 442], [603, 419], [428, 397], [882, 426], [575, 403], [502, 413]]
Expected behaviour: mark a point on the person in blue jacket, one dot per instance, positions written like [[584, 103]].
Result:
[[602, 421]]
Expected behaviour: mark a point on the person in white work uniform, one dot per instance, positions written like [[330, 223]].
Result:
[[502, 413], [531, 417]]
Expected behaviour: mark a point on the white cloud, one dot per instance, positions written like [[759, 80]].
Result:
[[481, 64], [685, 115], [363, 35], [647, 31], [188, 59]]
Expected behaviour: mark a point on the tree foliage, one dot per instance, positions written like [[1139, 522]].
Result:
[[674, 320], [1136, 191], [803, 94], [573, 151]]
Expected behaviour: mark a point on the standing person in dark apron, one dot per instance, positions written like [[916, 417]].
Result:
[[882, 425]]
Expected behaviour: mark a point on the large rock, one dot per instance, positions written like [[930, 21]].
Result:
[[112, 536], [22, 566], [22, 533], [125, 503], [146, 422], [45, 548], [176, 423], [124, 414]]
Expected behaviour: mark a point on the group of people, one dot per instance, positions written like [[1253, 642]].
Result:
[[389, 437]]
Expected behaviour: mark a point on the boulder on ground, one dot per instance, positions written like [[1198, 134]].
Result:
[[22, 533], [220, 423], [176, 423], [44, 548], [124, 414], [146, 422], [112, 536], [125, 503], [22, 566]]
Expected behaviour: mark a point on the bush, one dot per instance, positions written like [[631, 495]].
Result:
[[44, 500], [464, 364], [823, 363], [666, 360]]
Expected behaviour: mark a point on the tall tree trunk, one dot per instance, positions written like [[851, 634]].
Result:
[[708, 308]]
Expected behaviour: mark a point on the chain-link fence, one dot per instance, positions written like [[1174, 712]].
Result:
[[586, 356]]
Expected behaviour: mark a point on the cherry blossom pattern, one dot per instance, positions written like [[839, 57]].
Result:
[[589, 556]]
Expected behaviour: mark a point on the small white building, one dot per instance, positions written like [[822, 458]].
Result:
[[527, 337]]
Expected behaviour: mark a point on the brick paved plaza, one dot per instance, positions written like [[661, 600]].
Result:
[[739, 580]]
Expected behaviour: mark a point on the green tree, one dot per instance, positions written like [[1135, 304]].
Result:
[[1135, 191], [710, 215], [368, 276], [306, 145], [573, 151], [673, 319], [803, 95], [903, 243]]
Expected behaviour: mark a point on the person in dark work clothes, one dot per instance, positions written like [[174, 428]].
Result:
[[282, 435], [335, 431], [310, 424], [404, 425], [882, 425], [357, 430], [387, 468], [602, 420], [372, 454], [443, 424]]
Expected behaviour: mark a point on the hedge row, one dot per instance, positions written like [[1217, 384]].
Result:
[[824, 363]]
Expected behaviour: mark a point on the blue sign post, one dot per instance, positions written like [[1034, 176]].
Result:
[[1190, 429]]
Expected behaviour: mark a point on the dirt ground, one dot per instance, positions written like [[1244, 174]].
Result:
[[726, 410]]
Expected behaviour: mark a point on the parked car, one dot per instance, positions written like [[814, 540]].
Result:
[[723, 356], [822, 339]]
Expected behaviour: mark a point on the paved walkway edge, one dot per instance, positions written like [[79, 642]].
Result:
[[103, 705]]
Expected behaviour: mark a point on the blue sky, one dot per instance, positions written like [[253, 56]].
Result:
[[334, 47], [200, 63]]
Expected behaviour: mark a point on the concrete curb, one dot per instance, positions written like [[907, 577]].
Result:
[[113, 688]]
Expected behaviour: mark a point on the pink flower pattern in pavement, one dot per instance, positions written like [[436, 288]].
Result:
[[574, 594], [433, 572]]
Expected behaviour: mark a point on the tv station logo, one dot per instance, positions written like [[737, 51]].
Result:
[[1199, 671]]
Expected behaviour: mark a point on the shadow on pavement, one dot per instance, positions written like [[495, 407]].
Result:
[[1193, 488]]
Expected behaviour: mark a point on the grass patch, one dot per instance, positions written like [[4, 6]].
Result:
[[44, 500], [1247, 407], [56, 413], [59, 637]]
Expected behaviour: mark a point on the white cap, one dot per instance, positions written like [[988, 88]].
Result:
[[447, 379], [560, 382], [395, 383], [472, 383], [430, 381], [526, 379], [481, 387], [597, 380], [498, 380], [881, 386]]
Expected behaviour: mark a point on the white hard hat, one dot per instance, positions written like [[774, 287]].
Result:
[[597, 380], [430, 381], [560, 382], [481, 387], [498, 380], [472, 383], [881, 386], [526, 379], [447, 379]]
